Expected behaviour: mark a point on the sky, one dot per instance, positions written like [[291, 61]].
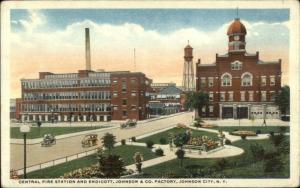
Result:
[[53, 39]]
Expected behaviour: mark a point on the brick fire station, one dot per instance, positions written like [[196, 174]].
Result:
[[239, 84]]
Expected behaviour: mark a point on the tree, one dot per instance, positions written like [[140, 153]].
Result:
[[196, 100], [108, 141], [111, 166], [180, 155], [282, 99], [181, 139]]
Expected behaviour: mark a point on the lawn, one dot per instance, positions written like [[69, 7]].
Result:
[[155, 138], [36, 132], [263, 129], [243, 166], [126, 152]]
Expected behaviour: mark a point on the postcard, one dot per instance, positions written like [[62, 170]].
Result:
[[150, 93]]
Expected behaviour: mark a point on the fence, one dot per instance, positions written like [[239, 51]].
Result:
[[56, 161]]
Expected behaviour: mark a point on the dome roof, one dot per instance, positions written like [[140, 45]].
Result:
[[236, 27], [188, 46]]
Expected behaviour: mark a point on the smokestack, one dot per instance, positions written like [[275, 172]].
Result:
[[87, 49]]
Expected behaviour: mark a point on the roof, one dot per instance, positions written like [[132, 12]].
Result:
[[170, 90], [267, 62], [188, 46], [236, 27]]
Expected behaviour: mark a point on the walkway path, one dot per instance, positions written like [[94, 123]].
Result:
[[247, 122]]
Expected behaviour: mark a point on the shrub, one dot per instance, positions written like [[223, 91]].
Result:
[[162, 141], [277, 139], [272, 162], [123, 142], [149, 143], [282, 129], [271, 133], [221, 164], [133, 139], [258, 151], [227, 142], [159, 152], [258, 131], [243, 137]]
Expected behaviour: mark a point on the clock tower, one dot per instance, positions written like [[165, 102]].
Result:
[[236, 37]]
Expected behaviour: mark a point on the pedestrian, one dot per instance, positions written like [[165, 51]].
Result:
[[264, 123]]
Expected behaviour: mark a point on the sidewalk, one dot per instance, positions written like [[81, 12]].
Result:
[[247, 122]]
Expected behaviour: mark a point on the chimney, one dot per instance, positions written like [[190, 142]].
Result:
[[87, 49]]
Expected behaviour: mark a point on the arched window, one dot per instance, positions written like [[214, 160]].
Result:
[[236, 65], [226, 79], [247, 79]]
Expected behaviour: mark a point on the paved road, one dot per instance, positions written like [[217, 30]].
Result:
[[72, 145]]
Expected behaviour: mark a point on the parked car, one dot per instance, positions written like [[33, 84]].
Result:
[[48, 140], [90, 140], [285, 117]]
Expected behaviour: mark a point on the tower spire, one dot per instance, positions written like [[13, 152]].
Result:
[[237, 12]]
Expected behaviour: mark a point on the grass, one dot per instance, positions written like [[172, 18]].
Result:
[[36, 132], [155, 138], [263, 129], [241, 166], [126, 152]]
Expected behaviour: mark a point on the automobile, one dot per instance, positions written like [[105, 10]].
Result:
[[48, 140], [89, 140], [129, 123], [285, 117]]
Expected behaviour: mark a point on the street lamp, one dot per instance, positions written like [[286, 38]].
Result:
[[239, 115], [25, 128], [52, 115]]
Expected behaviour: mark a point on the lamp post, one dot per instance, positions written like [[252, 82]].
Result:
[[239, 115], [52, 115], [25, 128]]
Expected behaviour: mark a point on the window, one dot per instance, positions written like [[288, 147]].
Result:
[[250, 95], [124, 101], [203, 82], [133, 81], [246, 79], [115, 94], [203, 109], [210, 82], [124, 112], [272, 80], [272, 95], [124, 86], [211, 96], [133, 94], [242, 95], [236, 65], [222, 98], [211, 109], [230, 96], [263, 81], [263, 96], [115, 81], [226, 79]]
